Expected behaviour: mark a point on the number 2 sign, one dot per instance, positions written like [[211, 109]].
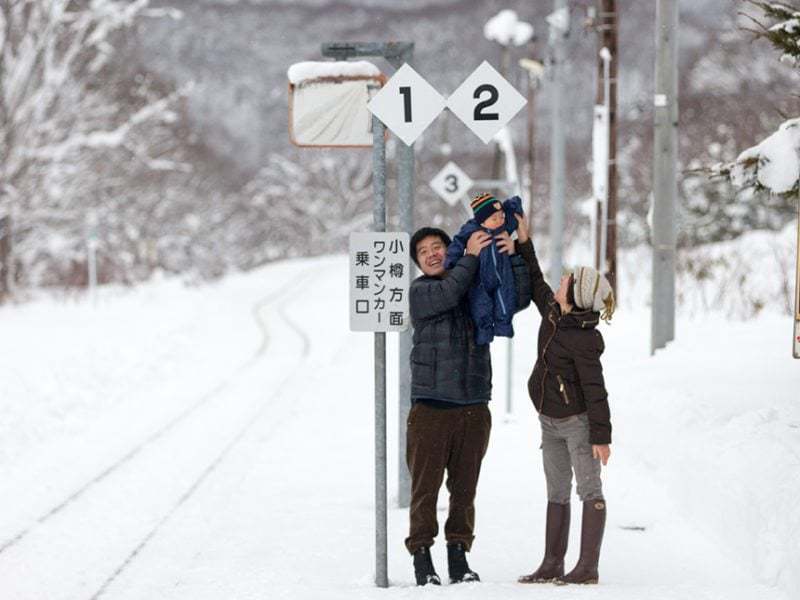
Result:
[[485, 102]]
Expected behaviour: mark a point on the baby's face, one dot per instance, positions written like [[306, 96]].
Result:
[[495, 220]]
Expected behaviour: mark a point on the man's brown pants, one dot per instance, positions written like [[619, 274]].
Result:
[[439, 439]]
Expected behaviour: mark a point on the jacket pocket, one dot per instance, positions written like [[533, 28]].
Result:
[[565, 390], [423, 367]]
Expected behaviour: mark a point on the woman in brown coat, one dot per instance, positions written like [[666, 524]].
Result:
[[568, 391]]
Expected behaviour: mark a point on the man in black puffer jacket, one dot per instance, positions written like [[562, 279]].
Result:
[[451, 384]]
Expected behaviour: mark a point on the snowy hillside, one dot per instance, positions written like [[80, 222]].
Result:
[[216, 442]]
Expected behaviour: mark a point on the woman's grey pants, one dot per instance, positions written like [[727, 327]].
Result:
[[566, 447]]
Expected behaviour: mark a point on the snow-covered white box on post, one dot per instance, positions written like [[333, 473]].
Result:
[[379, 281], [328, 103]]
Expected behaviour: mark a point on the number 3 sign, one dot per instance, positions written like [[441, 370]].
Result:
[[451, 183], [485, 102]]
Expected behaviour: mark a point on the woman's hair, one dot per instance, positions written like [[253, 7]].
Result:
[[571, 290]]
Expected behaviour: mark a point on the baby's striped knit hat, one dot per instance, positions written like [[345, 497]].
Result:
[[484, 206]]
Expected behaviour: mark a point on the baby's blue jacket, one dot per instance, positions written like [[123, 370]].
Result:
[[492, 296]]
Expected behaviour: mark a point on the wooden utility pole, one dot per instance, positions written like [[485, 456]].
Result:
[[607, 29]]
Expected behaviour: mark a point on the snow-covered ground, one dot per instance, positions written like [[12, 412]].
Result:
[[216, 442]]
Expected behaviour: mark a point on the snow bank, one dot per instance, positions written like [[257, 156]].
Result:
[[303, 71], [740, 279], [505, 28]]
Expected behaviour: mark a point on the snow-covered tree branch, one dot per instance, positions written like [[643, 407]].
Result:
[[774, 164]]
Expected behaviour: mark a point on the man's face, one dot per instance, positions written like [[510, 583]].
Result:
[[430, 255]]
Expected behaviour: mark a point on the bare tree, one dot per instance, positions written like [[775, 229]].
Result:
[[66, 119]]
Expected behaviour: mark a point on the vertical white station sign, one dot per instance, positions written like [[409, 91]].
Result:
[[379, 281]]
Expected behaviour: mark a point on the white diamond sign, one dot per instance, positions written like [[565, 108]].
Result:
[[407, 104], [451, 183], [485, 102]]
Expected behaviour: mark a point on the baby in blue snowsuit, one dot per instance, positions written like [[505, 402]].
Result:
[[492, 297]]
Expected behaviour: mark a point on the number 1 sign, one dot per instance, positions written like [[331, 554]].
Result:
[[407, 104]]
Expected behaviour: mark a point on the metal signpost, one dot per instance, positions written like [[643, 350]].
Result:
[[379, 282]]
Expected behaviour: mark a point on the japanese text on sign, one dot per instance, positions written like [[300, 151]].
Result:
[[379, 281]]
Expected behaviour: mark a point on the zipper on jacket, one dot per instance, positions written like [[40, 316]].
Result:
[[544, 352], [499, 280], [562, 389]]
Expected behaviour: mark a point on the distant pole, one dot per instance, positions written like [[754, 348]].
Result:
[[559, 30], [665, 187], [601, 150], [91, 254], [379, 224], [531, 144], [497, 160], [5, 258], [535, 71], [608, 39]]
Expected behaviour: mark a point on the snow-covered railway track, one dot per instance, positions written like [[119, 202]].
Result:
[[154, 453]]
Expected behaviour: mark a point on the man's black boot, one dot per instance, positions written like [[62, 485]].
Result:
[[423, 567], [457, 564]]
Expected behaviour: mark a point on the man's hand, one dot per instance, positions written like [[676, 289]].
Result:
[[504, 243], [601, 452], [523, 233], [477, 242]]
